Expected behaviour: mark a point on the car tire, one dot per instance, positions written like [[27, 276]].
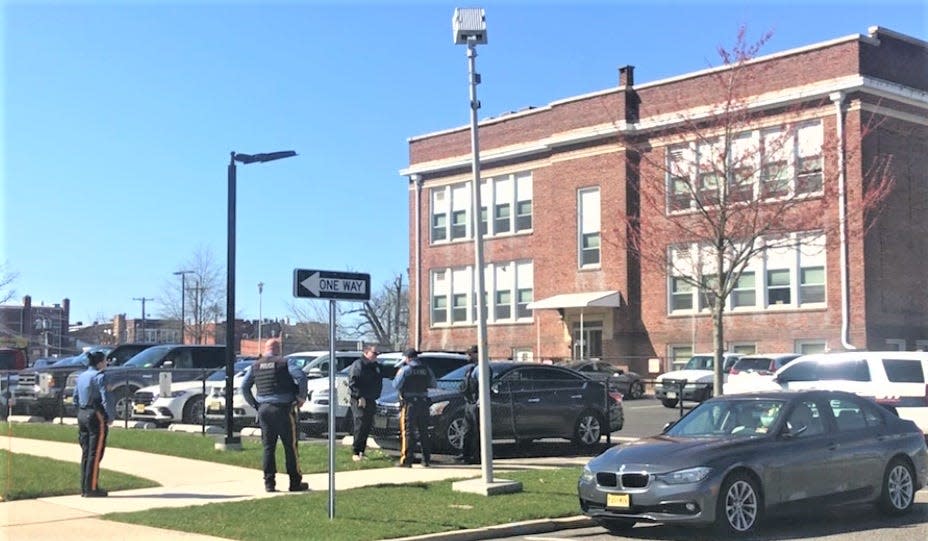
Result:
[[669, 403], [739, 508], [123, 402], [588, 429], [898, 492], [636, 390], [616, 525], [193, 411], [452, 437]]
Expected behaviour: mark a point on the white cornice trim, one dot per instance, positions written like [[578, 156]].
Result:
[[852, 83]]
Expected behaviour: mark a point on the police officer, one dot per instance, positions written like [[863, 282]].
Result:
[[365, 383], [95, 413], [412, 382], [470, 388], [281, 391]]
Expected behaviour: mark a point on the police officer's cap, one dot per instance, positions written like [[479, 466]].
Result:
[[411, 353]]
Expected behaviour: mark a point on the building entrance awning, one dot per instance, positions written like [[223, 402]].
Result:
[[605, 299]]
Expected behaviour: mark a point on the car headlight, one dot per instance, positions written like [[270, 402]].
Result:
[[682, 477], [438, 407], [586, 475]]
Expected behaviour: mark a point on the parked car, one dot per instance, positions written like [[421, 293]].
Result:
[[44, 391], [897, 380], [750, 371], [242, 412], [314, 414], [529, 401], [318, 367], [185, 402], [698, 374], [627, 383], [185, 362], [733, 460]]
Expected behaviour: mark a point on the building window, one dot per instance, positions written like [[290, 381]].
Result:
[[439, 227], [458, 224], [677, 356], [503, 305], [743, 294], [588, 218], [681, 294], [483, 221], [522, 309], [774, 179], [895, 344], [809, 347], [440, 309], [501, 219], [523, 202], [524, 217], [812, 285], [778, 286], [707, 292], [744, 348], [809, 158], [459, 307], [439, 214]]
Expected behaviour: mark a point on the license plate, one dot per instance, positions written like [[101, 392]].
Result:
[[671, 394], [618, 501], [380, 422], [140, 408]]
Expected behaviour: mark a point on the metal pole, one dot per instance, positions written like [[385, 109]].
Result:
[[230, 304], [332, 400], [183, 289], [486, 427], [260, 319]]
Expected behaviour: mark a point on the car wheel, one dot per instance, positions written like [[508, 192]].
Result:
[[636, 390], [454, 434], [669, 403], [124, 403], [193, 411], [616, 525], [898, 493], [588, 429], [738, 511]]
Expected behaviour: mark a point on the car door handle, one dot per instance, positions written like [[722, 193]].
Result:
[[576, 396], [533, 400]]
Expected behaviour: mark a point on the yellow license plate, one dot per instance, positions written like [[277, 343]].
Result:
[[671, 394], [215, 406], [620, 501], [140, 408]]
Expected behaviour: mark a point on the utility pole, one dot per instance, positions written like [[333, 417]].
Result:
[[143, 299]]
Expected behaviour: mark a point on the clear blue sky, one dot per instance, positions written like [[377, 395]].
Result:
[[118, 120]]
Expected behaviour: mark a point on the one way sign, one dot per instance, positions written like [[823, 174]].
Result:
[[320, 284]]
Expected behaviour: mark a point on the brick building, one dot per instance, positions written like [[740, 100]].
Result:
[[41, 330], [559, 181]]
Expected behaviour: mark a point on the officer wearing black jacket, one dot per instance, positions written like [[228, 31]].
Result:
[[365, 383], [281, 391], [95, 412], [412, 382], [470, 388]]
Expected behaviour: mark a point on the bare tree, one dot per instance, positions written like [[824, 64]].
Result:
[[311, 327], [7, 277], [204, 298], [385, 318], [728, 191]]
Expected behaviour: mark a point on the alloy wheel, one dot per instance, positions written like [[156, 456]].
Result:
[[741, 506]]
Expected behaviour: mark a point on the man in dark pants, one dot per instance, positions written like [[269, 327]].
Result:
[[413, 381], [95, 412], [365, 383], [281, 391], [470, 388]]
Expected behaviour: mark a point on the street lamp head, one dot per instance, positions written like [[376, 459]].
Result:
[[183, 272], [261, 158], [469, 26]]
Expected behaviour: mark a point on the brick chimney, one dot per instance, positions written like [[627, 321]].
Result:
[[628, 109], [627, 76]]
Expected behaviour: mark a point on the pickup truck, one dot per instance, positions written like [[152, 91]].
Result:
[[42, 391], [182, 362]]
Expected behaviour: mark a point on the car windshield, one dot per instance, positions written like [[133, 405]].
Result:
[[699, 362], [753, 363], [148, 358], [733, 417]]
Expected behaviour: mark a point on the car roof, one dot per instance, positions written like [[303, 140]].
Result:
[[770, 356]]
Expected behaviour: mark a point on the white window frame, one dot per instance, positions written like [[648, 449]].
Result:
[[453, 202], [589, 226], [512, 277], [895, 344], [817, 346]]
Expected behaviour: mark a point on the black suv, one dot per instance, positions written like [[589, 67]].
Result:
[[529, 401], [43, 391]]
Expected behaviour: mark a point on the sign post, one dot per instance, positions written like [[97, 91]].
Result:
[[334, 286]]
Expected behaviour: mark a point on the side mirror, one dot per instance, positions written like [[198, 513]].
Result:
[[315, 373], [167, 364], [494, 388], [667, 426]]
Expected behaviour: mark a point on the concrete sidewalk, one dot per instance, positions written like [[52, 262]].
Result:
[[184, 483]]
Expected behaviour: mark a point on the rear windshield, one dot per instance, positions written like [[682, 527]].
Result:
[[699, 362], [756, 364]]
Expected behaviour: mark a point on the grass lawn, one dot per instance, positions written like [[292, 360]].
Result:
[[373, 512], [314, 457], [24, 477]]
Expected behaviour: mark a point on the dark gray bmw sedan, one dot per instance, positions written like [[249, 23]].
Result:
[[733, 460]]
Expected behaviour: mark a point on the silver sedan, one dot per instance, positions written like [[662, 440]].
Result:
[[735, 459]]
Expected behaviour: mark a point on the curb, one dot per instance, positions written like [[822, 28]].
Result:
[[529, 527]]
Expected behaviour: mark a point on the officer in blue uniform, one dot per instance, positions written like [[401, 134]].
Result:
[[412, 382], [281, 391], [470, 388], [95, 412]]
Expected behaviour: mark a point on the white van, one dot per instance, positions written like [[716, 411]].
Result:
[[896, 379]]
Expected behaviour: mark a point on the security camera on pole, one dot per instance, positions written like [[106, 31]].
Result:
[[470, 28]]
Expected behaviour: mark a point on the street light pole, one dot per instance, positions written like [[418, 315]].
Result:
[[143, 299], [260, 320], [232, 442], [183, 288]]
